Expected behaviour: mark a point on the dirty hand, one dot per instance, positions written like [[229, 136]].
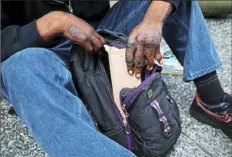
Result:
[[143, 46], [58, 23], [144, 40]]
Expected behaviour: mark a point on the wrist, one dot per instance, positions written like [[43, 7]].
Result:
[[155, 24], [158, 12]]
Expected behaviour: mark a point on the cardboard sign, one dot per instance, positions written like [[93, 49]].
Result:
[[118, 71]]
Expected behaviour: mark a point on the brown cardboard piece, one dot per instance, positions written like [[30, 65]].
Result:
[[119, 75]]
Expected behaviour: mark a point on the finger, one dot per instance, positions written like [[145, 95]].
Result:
[[158, 56], [100, 38], [149, 52], [97, 44], [79, 37], [130, 56], [84, 41], [139, 60], [87, 45]]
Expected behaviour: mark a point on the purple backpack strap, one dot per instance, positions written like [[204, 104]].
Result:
[[156, 69]]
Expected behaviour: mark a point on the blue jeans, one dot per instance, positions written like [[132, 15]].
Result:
[[39, 85]]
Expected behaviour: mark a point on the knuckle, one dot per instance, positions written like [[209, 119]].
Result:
[[89, 47], [129, 61], [139, 55], [84, 38], [91, 32], [131, 44], [149, 51], [139, 63], [140, 39], [148, 41]]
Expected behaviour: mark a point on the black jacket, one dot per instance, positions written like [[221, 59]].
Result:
[[18, 29]]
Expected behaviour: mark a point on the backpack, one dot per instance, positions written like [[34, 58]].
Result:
[[151, 125]]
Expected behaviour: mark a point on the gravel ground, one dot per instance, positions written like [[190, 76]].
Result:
[[197, 140]]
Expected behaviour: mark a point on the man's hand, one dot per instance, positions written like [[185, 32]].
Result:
[[143, 46], [144, 41], [59, 23]]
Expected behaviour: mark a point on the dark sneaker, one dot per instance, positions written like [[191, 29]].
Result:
[[218, 116]]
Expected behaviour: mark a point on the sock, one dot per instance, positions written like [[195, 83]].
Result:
[[209, 88]]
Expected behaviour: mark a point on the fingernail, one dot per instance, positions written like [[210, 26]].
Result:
[[149, 68], [138, 75], [161, 61], [131, 72]]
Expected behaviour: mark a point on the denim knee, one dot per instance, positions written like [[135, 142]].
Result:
[[25, 56], [31, 61], [28, 60]]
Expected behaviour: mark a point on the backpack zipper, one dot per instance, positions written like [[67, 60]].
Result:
[[133, 92], [124, 120], [154, 104], [144, 83]]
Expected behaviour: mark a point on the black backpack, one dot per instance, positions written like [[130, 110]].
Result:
[[152, 124]]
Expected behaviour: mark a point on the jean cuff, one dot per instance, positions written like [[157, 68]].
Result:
[[190, 77]]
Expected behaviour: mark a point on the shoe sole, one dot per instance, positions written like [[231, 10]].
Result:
[[207, 120]]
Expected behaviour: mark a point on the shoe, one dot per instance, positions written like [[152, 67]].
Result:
[[218, 116]]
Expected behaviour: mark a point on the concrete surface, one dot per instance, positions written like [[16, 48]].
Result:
[[197, 140]]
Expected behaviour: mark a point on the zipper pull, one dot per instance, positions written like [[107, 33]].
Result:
[[127, 127], [126, 114], [125, 111], [169, 99], [124, 122], [167, 132], [123, 107], [70, 6]]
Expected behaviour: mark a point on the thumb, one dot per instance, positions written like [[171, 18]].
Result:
[[158, 56]]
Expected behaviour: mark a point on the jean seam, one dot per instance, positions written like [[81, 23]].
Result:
[[180, 23], [175, 20], [202, 72]]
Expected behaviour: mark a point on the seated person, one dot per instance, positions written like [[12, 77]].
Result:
[[37, 81]]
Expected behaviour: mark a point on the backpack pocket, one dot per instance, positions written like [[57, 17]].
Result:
[[155, 127], [153, 117]]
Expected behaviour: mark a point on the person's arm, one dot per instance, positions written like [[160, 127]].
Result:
[[144, 40], [42, 31], [158, 11], [15, 38]]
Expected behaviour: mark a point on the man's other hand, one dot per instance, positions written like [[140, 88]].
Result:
[[143, 46], [58, 23], [144, 40]]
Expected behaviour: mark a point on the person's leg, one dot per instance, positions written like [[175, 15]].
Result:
[[40, 88], [186, 33]]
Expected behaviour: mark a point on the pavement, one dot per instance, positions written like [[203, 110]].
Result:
[[196, 140]]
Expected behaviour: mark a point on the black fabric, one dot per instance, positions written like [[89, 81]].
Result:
[[18, 21], [209, 88], [94, 89], [16, 38], [152, 124], [18, 26]]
